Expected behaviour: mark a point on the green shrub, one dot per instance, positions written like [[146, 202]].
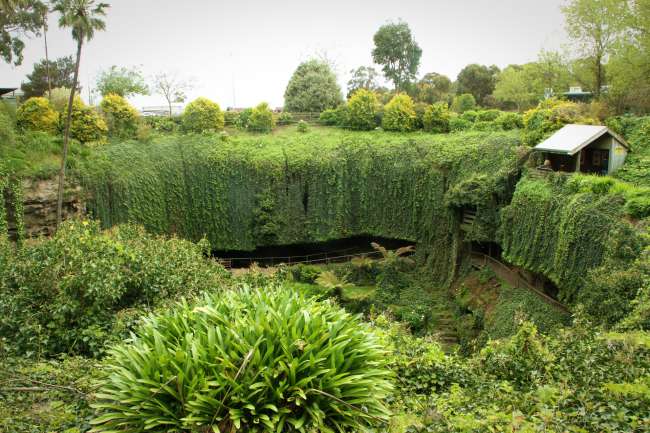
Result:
[[36, 114], [420, 108], [520, 360], [463, 103], [329, 117], [7, 129], [263, 360], [62, 293], [638, 207], [436, 118], [202, 115], [399, 114], [230, 118], [488, 115], [508, 121], [458, 124], [261, 119], [335, 117], [86, 125], [285, 118], [302, 127], [306, 273], [362, 110], [470, 116], [121, 118], [551, 115], [244, 118], [163, 123], [481, 125]]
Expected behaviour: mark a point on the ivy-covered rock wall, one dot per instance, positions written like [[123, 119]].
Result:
[[575, 230], [245, 192]]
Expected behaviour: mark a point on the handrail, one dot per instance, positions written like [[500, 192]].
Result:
[[525, 283], [326, 259]]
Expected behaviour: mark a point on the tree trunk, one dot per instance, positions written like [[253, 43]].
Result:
[[599, 76], [47, 59], [66, 136], [170, 107]]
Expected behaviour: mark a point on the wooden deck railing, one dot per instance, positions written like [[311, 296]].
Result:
[[512, 277]]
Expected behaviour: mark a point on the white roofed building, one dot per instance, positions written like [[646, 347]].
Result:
[[584, 148]]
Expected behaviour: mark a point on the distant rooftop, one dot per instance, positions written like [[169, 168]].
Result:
[[573, 138], [6, 90]]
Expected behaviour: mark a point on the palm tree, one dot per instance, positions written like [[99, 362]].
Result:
[[84, 17], [47, 57]]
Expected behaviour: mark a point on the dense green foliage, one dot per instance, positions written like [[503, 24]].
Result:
[[637, 132], [47, 395], [61, 74], [261, 119], [247, 191], [398, 53], [202, 115], [399, 114], [87, 125], [573, 230], [312, 88], [463, 103], [551, 115], [36, 114], [262, 360], [363, 108], [121, 118], [123, 82], [436, 118], [64, 294]]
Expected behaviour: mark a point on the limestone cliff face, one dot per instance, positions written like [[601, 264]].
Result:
[[40, 206]]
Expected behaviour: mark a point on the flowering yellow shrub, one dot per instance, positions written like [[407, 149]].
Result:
[[36, 114], [121, 117]]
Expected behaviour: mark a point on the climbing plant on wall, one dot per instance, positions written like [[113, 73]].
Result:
[[244, 192], [566, 226]]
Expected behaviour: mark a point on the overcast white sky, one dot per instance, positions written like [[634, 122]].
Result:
[[244, 51]]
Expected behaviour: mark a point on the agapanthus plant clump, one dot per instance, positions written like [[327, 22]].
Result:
[[266, 360]]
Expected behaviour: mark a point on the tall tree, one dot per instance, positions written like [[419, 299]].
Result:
[[515, 85], [477, 80], [122, 81], [18, 18], [61, 75], [364, 77], [628, 69], [433, 87], [398, 53], [596, 26], [172, 87], [551, 72], [84, 17], [312, 88], [47, 56]]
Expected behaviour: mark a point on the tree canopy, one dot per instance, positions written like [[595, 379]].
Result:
[[122, 81], [433, 87], [17, 20], [478, 80], [595, 26], [61, 75], [397, 52], [312, 88], [364, 77]]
